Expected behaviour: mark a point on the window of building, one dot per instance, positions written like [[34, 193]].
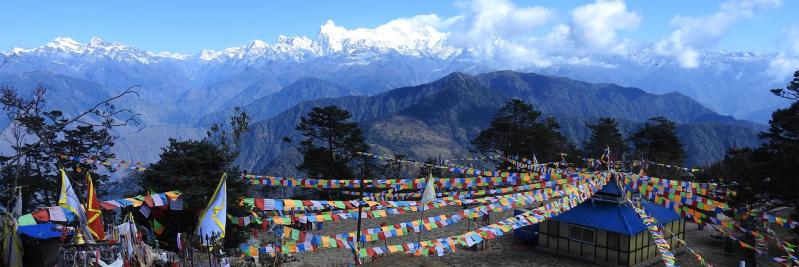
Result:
[[613, 240], [553, 227], [582, 234]]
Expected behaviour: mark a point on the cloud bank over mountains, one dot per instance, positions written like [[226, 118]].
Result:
[[696, 33]]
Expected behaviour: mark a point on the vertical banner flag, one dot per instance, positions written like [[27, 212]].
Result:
[[429, 191], [17, 211], [94, 220], [213, 218], [69, 200]]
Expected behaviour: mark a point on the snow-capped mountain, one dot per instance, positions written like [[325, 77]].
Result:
[[180, 93], [177, 89], [391, 55], [64, 48]]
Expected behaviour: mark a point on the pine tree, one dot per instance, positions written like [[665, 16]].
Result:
[[331, 145], [782, 148], [515, 130], [194, 168], [44, 141], [765, 177], [605, 133], [657, 141]]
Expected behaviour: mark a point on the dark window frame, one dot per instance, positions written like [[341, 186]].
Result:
[[582, 234]]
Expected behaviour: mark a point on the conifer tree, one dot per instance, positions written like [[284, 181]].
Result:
[[331, 143], [45, 140], [605, 133], [194, 168], [657, 141], [516, 131]]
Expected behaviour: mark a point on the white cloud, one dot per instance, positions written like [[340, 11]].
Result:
[[494, 19], [786, 62], [499, 32], [408, 35], [595, 26], [695, 33]]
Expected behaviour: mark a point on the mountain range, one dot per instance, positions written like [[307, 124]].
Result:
[[440, 118], [179, 95]]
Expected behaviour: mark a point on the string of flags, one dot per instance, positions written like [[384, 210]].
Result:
[[784, 222], [645, 162], [112, 163], [376, 211], [453, 168], [388, 207], [576, 194], [730, 225], [688, 198], [397, 184], [171, 199], [789, 248], [506, 179], [450, 166], [463, 194], [698, 257], [657, 235], [430, 223], [635, 180], [447, 245], [675, 198]]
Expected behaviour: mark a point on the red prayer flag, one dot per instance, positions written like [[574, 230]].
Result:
[[93, 213], [259, 203], [41, 215], [149, 201]]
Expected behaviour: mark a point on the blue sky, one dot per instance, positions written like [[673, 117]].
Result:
[[189, 26]]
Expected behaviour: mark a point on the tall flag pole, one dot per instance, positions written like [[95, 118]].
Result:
[[213, 217], [94, 220]]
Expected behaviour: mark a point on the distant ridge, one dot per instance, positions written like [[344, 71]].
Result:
[[441, 117]]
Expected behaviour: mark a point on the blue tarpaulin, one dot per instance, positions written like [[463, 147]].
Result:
[[40, 231]]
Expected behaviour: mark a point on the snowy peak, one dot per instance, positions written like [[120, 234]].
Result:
[[405, 36], [64, 48], [65, 44]]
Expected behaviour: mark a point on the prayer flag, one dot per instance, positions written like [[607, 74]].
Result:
[[212, 219]]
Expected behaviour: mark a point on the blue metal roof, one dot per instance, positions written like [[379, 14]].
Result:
[[611, 188], [615, 217]]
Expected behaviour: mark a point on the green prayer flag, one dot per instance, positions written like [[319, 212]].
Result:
[[26, 219], [158, 228], [249, 202]]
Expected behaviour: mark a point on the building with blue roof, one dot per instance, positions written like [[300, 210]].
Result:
[[606, 230]]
